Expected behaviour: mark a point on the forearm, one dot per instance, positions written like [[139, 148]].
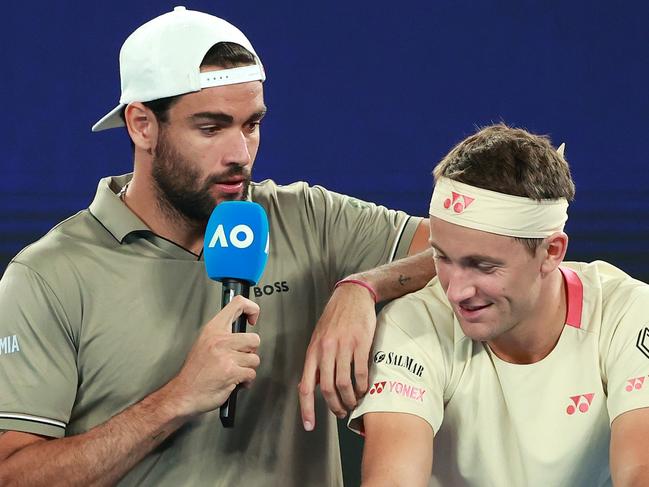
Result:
[[102, 455], [401, 276]]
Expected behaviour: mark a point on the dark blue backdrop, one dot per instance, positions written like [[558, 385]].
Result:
[[364, 98]]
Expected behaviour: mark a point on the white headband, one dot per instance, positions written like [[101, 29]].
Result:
[[494, 212]]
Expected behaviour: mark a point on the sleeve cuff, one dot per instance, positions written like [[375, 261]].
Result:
[[404, 238], [32, 424]]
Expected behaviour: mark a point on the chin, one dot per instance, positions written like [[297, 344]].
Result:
[[479, 332]]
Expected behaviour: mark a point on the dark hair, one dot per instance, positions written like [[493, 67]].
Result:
[[222, 55], [511, 161]]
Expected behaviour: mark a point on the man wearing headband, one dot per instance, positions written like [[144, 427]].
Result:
[[115, 364], [522, 369]]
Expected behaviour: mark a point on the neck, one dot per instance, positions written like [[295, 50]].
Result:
[[142, 199], [533, 339]]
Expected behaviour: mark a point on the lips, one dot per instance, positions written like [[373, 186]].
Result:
[[472, 312], [232, 186], [474, 307]]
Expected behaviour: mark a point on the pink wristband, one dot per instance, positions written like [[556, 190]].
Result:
[[360, 283]]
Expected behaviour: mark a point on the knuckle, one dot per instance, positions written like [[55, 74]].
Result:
[[361, 375], [343, 383], [328, 344], [255, 339]]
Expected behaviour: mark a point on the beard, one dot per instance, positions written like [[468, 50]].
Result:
[[179, 187]]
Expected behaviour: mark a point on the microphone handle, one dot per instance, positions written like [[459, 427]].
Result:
[[232, 288]]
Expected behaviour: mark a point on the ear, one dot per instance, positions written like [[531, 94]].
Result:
[[555, 247], [142, 126]]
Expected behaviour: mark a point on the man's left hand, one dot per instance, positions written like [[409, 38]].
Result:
[[339, 348]]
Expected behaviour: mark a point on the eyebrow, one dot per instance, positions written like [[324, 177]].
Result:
[[470, 259], [224, 118]]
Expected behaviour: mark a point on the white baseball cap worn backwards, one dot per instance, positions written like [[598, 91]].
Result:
[[162, 58]]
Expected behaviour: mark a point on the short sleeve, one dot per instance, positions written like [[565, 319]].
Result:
[[361, 235], [408, 372], [627, 360], [38, 373]]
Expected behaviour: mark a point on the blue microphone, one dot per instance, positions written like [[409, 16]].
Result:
[[236, 250]]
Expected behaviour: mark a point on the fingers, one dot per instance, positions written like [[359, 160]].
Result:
[[246, 360], [306, 389], [343, 377], [361, 375], [327, 378], [235, 308], [243, 342]]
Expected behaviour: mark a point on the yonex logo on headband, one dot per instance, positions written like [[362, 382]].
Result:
[[499, 213], [459, 202]]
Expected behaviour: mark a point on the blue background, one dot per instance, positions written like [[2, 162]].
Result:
[[364, 97]]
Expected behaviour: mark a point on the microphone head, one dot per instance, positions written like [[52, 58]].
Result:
[[236, 242]]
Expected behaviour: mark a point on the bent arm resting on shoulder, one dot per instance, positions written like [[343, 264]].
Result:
[[218, 361], [629, 451], [398, 450], [342, 339]]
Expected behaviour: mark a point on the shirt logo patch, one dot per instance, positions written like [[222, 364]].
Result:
[[399, 360], [634, 384], [400, 389], [406, 390], [643, 341], [459, 202], [378, 387], [9, 344], [581, 402], [270, 289]]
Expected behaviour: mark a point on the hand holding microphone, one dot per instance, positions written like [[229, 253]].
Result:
[[219, 360], [236, 251]]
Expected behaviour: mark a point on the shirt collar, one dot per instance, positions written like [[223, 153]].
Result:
[[111, 212]]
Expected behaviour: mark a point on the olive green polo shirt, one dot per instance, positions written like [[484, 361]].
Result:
[[100, 312]]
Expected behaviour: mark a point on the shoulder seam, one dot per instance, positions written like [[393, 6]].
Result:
[[50, 289]]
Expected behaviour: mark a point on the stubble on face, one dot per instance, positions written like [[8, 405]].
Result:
[[182, 192]]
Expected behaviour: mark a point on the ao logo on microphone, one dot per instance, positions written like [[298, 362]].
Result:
[[241, 236]]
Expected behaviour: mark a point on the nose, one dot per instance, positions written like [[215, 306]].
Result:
[[237, 151], [459, 286]]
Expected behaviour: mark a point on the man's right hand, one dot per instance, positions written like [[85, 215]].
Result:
[[219, 360]]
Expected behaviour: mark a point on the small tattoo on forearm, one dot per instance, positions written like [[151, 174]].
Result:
[[403, 279]]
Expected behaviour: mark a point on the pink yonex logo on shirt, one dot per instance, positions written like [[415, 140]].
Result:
[[459, 202], [377, 388], [400, 389], [634, 384], [406, 390], [581, 403]]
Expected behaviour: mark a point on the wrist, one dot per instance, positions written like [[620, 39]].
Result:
[[172, 399], [357, 281]]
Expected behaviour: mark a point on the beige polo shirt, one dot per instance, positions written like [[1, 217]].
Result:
[[500, 424], [101, 312]]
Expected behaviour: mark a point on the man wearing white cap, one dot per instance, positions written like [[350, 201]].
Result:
[[112, 361], [522, 369]]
